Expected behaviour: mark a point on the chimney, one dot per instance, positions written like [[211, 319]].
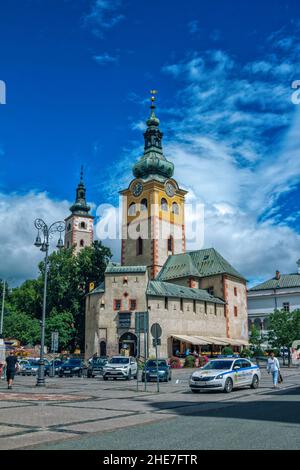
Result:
[[277, 275], [298, 264]]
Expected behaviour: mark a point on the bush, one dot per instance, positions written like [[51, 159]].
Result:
[[246, 353], [189, 361], [175, 363], [258, 352], [202, 361], [227, 351]]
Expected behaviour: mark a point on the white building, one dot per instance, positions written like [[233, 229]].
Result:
[[282, 292]]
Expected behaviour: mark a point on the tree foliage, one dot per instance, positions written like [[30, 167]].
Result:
[[284, 328], [69, 277]]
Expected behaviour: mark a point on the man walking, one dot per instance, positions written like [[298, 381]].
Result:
[[11, 364], [274, 368]]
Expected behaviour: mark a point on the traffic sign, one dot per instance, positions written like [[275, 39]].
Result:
[[156, 330]]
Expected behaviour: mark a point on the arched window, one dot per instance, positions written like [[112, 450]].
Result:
[[132, 209], [69, 227], [175, 208], [81, 242], [164, 204], [139, 246], [144, 205], [82, 225], [170, 244]]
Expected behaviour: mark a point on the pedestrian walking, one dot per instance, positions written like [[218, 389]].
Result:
[[273, 367], [11, 366]]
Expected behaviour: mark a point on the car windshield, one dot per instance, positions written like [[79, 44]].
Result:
[[99, 361], [119, 360], [218, 365], [153, 364]]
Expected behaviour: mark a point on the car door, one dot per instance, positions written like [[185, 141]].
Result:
[[133, 366], [238, 373], [247, 372]]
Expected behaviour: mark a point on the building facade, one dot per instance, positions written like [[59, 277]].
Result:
[[282, 292], [80, 223], [198, 299]]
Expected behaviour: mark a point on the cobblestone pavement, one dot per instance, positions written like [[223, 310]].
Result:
[[72, 407]]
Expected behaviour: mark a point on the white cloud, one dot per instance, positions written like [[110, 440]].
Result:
[[234, 139], [105, 58], [19, 258], [103, 15]]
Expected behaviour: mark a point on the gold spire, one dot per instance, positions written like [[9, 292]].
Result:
[[153, 93]]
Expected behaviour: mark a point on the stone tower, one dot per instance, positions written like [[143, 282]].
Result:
[[153, 207], [79, 224]]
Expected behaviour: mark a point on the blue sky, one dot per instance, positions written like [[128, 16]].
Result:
[[78, 75]]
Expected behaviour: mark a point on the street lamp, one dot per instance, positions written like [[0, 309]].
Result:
[[47, 233]]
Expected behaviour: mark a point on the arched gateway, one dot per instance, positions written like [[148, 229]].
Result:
[[128, 342]]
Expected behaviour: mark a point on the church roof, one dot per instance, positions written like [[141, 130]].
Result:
[[117, 268], [285, 281], [200, 263], [167, 289]]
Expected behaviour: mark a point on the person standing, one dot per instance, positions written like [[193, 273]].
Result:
[[11, 365], [273, 367]]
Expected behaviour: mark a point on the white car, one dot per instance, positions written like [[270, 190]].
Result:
[[120, 367], [225, 374]]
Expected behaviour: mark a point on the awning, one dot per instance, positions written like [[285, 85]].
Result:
[[196, 340], [233, 341], [203, 340], [199, 340]]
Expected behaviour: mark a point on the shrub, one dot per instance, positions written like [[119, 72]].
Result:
[[258, 352], [175, 363], [202, 361], [189, 361], [227, 351], [246, 353]]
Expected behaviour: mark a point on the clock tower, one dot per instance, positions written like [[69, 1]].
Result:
[[79, 224], [153, 207]]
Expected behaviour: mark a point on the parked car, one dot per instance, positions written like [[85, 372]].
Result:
[[225, 374], [22, 363], [71, 367], [57, 364], [150, 370], [30, 368], [95, 367], [120, 367]]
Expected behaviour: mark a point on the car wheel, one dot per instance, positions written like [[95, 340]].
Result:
[[195, 391], [228, 385], [255, 382], [129, 375], [104, 378]]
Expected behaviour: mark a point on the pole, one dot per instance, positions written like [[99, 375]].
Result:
[[41, 372], [2, 310], [156, 364], [145, 349]]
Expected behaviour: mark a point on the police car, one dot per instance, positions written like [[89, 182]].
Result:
[[225, 374]]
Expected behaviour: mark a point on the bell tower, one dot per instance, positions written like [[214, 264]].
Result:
[[153, 206], [79, 224]]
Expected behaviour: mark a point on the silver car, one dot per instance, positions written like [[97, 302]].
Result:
[[225, 374], [120, 367]]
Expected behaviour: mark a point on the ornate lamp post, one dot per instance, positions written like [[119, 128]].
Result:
[[47, 233]]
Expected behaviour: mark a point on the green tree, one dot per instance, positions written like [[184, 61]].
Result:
[[69, 277], [256, 339], [23, 327], [63, 323], [284, 329]]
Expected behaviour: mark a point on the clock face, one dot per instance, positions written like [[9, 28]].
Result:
[[170, 190], [137, 188]]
